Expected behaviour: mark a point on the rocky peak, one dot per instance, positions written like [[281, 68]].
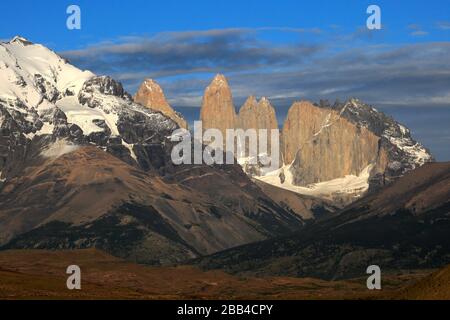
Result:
[[405, 152], [21, 40], [151, 95], [324, 142], [217, 107], [250, 103], [44, 99], [321, 145], [265, 104], [219, 81], [103, 85], [257, 114]]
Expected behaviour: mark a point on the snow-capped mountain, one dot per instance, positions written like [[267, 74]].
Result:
[[84, 166], [44, 99], [343, 149], [35, 75], [409, 153]]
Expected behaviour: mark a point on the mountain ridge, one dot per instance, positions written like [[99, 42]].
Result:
[[68, 135], [322, 143], [388, 228], [59, 124], [86, 197], [151, 95]]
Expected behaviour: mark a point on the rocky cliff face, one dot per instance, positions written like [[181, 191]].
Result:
[[398, 151], [257, 114], [324, 142], [351, 145], [217, 107], [322, 145], [151, 95]]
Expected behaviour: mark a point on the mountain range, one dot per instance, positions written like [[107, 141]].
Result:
[[337, 151], [85, 164], [82, 162]]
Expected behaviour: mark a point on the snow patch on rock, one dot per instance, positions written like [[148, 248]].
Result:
[[414, 150], [58, 148], [350, 185]]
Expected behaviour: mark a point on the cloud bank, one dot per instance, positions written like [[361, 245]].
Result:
[[305, 63]]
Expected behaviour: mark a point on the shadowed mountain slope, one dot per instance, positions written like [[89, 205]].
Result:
[[88, 198], [404, 226]]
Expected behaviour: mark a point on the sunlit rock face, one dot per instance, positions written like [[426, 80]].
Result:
[[323, 146], [260, 116], [217, 107], [151, 95], [319, 142], [324, 142], [257, 115]]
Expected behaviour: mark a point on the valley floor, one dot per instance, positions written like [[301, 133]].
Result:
[[38, 274]]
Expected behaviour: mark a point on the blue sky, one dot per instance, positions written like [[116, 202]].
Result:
[[102, 20], [285, 50]]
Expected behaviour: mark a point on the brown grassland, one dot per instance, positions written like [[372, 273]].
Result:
[[38, 274]]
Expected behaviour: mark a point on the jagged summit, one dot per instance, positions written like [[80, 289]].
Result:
[[253, 100], [152, 84], [397, 137], [21, 40], [151, 95], [257, 115], [220, 79], [261, 107], [77, 153], [250, 100], [218, 110], [35, 75], [44, 99], [249, 103], [351, 145], [153, 87], [384, 126]]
